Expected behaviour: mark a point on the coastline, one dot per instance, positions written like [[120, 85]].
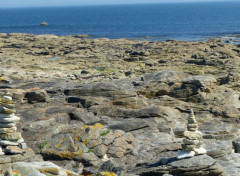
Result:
[[40, 52]]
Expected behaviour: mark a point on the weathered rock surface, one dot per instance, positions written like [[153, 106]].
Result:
[[140, 93], [195, 166]]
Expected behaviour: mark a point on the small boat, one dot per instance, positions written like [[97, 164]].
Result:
[[44, 23]]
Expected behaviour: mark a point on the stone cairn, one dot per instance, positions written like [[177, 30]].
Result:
[[193, 140], [11, 141]]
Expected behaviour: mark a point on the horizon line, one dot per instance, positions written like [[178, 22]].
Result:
[[110, 4]]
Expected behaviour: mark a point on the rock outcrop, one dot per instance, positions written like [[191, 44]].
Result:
[[64, 87]]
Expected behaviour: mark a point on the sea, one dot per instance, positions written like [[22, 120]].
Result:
[[163, 21]]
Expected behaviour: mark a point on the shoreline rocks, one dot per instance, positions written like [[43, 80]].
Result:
[[140, 87]]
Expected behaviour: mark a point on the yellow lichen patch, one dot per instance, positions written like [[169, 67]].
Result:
[[67, 172], [85, 141], [76, 138], [49, 170], [62, 154], [2, 78], [97, 125], [60, 143], [106, 174], [3, 136]]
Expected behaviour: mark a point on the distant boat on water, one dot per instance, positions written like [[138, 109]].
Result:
[[44, 24]]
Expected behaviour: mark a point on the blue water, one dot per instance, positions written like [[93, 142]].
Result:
[[182, 21]]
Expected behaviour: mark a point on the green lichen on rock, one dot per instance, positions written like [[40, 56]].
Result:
[[104, 133]]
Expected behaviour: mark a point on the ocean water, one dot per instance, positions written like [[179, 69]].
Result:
[[182, 21]]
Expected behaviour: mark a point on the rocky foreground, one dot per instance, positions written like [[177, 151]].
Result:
[[120, 107]]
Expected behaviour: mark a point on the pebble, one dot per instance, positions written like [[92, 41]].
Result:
[[9, 120], [183, 154], [7, 98], [8, 130], [7, 143], [7, 125]]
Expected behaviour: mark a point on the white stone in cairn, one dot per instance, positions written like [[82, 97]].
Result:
[[8, 130], [9, 118], [200, 151], [23, 145], [7, 98], [1, 151], [3, 116], [183, 154], [7, 125], [11, 143]]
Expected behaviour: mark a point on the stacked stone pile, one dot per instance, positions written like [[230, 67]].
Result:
[[11, 141], [193, 139]]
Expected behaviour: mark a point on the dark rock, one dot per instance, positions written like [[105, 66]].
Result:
[[236, 145], [37, 96], [107, 166]]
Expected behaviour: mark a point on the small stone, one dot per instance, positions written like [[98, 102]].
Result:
[[7, 97], [105, 158], [20, 140], [11, 118], [196, 135], [7, 143], [23, 145], [192, 129], [10, 106], [11, 136], [8, 130], [13, 150], [6, 115], [184, 154], [194, 125], [6, 110], [200, 151], [11, 143], [188, 148], [191, 142], [192, 121], [7, 125]]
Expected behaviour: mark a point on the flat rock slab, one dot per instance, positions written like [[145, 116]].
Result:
[[38, 168], [126, 125], [219, 149], [198, 165], [196, 161]]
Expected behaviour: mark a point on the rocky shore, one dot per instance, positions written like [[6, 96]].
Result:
[[118, 107]]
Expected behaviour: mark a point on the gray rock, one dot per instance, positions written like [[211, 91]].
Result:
[[34, 168], [164, 76], [127, 125], [83, 115], [195, 166], [219, 149]]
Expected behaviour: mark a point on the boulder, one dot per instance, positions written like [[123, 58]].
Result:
[[37, 96]]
